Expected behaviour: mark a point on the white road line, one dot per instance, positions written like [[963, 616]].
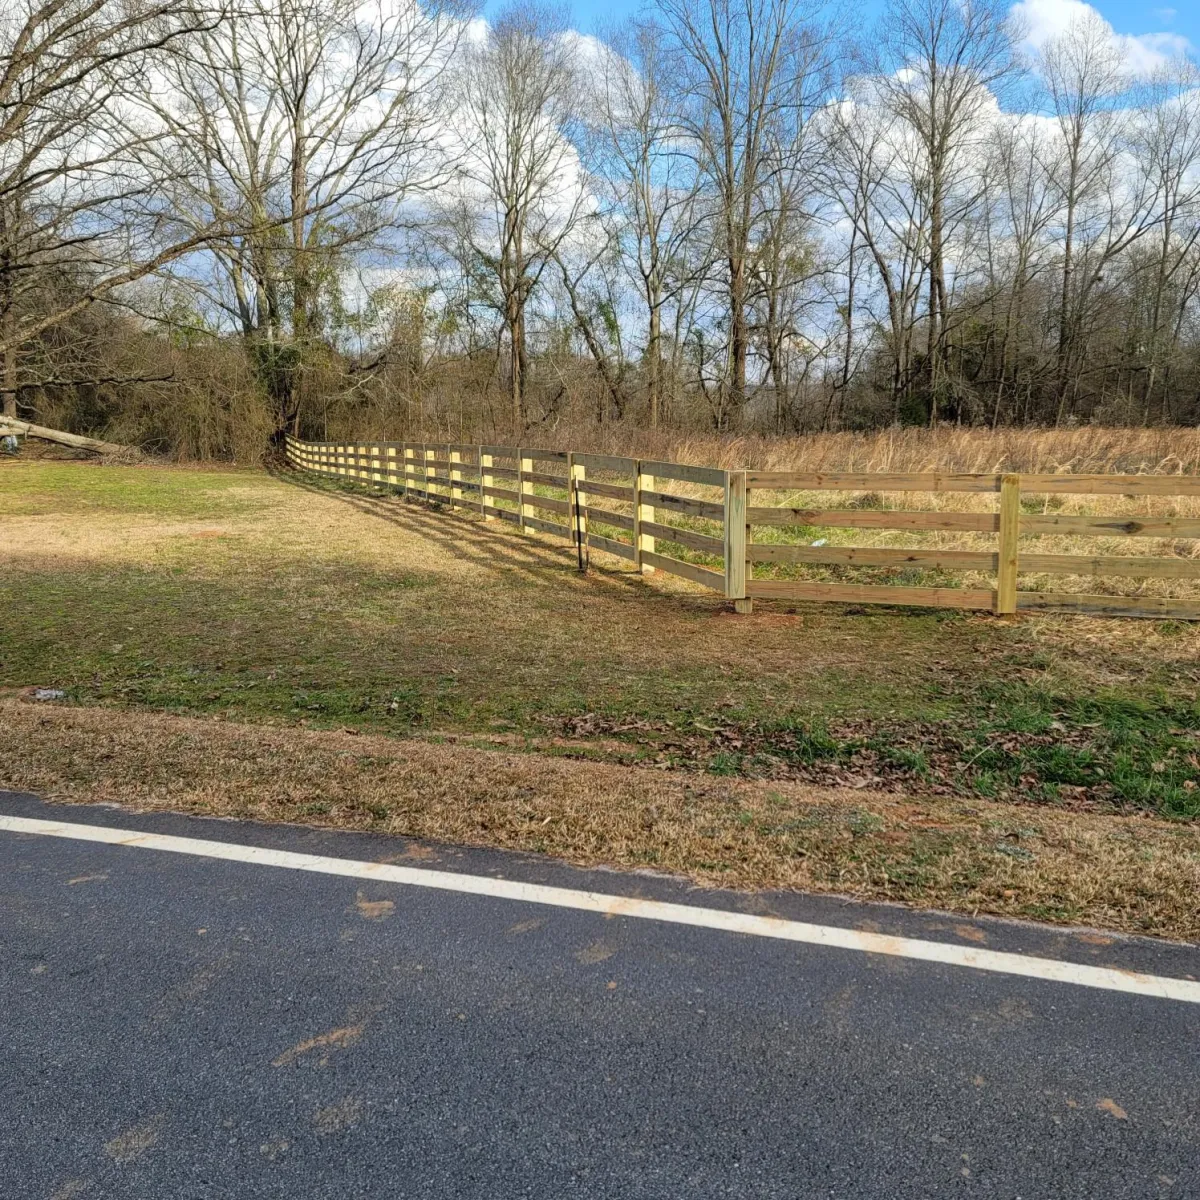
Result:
[[1106, 978]]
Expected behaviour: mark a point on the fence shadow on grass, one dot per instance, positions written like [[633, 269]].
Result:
[[493, 547]]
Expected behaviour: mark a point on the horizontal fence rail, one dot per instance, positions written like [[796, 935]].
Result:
[[625, 507], [1009, 523], [575, 497]]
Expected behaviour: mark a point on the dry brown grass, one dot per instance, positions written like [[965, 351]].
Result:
[[1089, 449], [204, 592], [1081, 450], [1129, 873]]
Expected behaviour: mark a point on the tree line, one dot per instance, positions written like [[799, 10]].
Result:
[[218, 224]]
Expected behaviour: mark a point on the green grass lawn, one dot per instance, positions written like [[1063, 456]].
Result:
[[287, 601]]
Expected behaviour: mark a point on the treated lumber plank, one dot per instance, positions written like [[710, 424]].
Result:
[[867, 556], [683, 504], [854, 593], [1133, 566], [861, 481], [552, 527], [1108, 606], [486, 480], [577, 474], [684, 537], [1168, 527], [613, 491], [709, 476], [558, 481], [610, 546], [1113, 485], [502, 494], [504, 514], [700, 575], [736, 535], [643, 511], [525, 464], [608, 462], [1007, 547], [619, 520], [546, 455], [535, 501], [851, 518]]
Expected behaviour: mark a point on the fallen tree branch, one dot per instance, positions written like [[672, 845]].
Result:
[[10, 425], [86, 381]]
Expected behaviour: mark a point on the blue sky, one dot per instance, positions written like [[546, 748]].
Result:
[[1153, 22]]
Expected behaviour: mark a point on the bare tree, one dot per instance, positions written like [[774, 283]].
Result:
[[937, 63], [877, 180], [308, 128], [1167, 149], [1087, 83], [517, 190], [738, 66], [636, 160], [79, 217]]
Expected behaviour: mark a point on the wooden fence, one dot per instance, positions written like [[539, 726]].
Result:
[[576, 488]]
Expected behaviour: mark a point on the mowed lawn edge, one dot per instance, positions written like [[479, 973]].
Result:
[[1136, 874]]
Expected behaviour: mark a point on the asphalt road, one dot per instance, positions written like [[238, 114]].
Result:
[[178, 1027]]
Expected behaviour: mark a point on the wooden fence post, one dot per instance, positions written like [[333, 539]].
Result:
[[486, 480], [1008, 546], [643, 543], [735, 541], [455, 456], [376, 465], [524, 467], [389, 467], [576, 475], [430, 456]]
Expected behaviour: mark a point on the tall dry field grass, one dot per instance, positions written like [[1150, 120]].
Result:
[[1082, 450]]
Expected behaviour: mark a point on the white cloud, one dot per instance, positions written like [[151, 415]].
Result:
[[1142, 54]]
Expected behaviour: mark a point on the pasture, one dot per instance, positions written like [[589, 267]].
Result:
[[233, 641]]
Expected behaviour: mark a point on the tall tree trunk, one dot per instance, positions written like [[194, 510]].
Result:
[[654, 355], [937, 299], [8, 315], [1065, 339], [302, 284], [10, 364], [517, 360], [739, 349]]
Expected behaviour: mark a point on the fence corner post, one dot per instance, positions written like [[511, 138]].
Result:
[[735, 541], [1008, 545]]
